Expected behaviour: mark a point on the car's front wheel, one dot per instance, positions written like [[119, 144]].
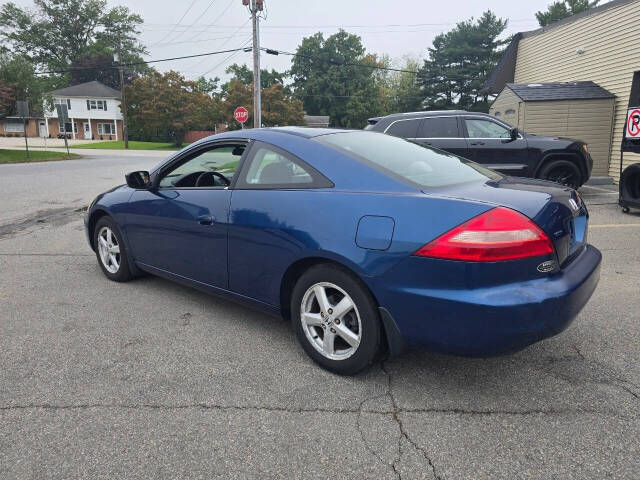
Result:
[[563, 172], [111, 251], [336, 319]]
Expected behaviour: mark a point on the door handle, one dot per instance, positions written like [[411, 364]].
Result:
[[476, 143], [206, 220]]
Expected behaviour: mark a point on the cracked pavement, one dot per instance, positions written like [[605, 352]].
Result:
[[150, 379]]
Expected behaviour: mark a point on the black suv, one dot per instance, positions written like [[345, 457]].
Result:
[[491, 142]]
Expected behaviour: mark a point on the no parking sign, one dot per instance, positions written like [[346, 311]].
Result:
[[632, 129]]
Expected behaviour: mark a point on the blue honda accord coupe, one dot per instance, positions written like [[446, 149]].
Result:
[[367, 243]]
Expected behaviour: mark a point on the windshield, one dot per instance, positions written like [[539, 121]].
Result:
[[408, 161]]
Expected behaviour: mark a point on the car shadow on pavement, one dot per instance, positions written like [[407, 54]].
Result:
[[553, 376]]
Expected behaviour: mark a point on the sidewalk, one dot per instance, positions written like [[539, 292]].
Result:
[[39, 142], [57, 145]]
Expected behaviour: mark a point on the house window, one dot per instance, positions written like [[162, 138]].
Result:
[[67, 126], [97, 105], [63, 101], [14, 126], [106, 129], [511, 111]]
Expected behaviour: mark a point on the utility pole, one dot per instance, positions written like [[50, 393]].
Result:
[[123, 103], [256, 7], [23, 111]]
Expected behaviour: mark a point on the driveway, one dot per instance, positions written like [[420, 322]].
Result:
[[153, 380]]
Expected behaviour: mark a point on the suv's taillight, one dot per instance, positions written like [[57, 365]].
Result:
[[499, 234]]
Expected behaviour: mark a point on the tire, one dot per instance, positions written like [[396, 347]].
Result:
[[353, 335], [564, 172], [111, 251]]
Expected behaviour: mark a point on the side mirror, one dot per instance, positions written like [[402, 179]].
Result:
[[138, 180], [513, 136]]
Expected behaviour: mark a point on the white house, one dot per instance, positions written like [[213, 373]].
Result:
[[93, 109]]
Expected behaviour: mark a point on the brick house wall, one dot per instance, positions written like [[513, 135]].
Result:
[[53, 129], [32, 129]]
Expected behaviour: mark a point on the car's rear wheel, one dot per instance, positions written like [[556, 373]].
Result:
[[563, 172], [336, 319], [111, 251]]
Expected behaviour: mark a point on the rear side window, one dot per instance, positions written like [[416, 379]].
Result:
[[407, 161], [404, 128], [439, 127], [271, 167]]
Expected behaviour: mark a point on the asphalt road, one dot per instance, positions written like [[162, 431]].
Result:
[[152, 380]]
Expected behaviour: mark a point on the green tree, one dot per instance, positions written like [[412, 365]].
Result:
[[244, 74], [329, 79], [58, 33], [208, 85], [402, 89], [7, 98], [18, 73], [237, 93], [165, 106], [460, 61], [279, 108], [563, 9]]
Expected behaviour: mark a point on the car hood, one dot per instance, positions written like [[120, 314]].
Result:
[[545, 139], [551, 206]]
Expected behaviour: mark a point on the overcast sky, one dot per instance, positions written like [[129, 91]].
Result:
[[397, 28]]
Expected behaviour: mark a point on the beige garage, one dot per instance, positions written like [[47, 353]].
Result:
[[598, 45], [580, 110]]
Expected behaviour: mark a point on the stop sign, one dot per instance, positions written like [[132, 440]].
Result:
[[241, 114]]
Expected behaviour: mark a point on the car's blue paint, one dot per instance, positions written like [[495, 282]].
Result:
[[164, 230], [479, 320], [459, 307], [375, 232]]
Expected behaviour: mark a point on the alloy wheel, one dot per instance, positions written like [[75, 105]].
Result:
[[564, 176], [109, 250], [331, 321]]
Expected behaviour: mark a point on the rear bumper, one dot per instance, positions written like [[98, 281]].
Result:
[[498, 319]]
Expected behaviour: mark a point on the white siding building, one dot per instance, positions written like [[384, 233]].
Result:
[[93, 109]]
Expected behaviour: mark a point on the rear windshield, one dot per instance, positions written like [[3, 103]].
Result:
[[408, 161]]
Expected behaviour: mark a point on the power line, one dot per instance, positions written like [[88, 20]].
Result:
[[195, 41], [388, 25], [182, 32], [174, 27], [195, 65], [225, 60], [217, 18], [143, 62], [272, 51]]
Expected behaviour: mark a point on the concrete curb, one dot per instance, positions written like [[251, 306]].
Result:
[[600, 181]]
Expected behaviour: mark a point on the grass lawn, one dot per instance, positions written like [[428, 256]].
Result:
[[19, 156], [133, 145]]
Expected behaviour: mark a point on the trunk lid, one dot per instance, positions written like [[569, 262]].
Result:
[[557, 210]]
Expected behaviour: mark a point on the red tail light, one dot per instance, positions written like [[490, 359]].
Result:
[[499, 234]]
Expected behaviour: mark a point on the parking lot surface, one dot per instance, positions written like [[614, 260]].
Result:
[[153, 380]]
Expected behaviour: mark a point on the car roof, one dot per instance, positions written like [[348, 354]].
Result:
[[261, 133], [309, 132], [429, 113]]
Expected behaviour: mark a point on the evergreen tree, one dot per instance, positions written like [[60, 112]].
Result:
[[460, 61], [563, 9]]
